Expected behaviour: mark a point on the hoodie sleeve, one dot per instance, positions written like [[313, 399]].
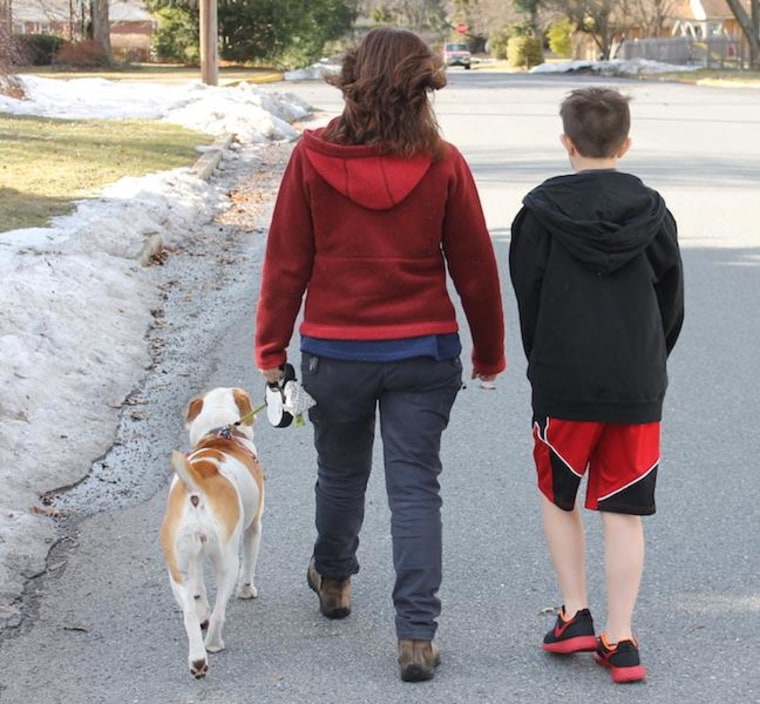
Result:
[[472, 265], [287, 266], [528, 251], [665, 258]]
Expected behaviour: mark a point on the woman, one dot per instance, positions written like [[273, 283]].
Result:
[[371, 212]]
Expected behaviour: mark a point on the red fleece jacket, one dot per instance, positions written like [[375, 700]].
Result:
[[369, 238]]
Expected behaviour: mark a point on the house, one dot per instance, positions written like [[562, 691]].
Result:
[[701, 19], [132, 28], [693, 32], [132, 25]]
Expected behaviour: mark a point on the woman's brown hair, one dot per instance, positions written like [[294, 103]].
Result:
[[385, 82]]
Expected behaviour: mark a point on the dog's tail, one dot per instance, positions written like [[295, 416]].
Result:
[[184, 470]]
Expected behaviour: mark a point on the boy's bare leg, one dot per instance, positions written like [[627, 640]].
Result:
[[567, 547], [624, 564]]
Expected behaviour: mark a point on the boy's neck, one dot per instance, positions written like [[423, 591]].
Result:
[[587, 163], [582, 163]]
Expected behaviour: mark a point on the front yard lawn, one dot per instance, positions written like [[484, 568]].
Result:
[[47, 164]]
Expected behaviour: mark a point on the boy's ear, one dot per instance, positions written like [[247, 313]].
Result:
[[568, 144], [624, 147]]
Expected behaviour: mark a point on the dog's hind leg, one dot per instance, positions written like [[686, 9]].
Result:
[[196, 657], [197, 586], [246, 588], [227, 565]]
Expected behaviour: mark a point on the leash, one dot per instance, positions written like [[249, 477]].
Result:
[[248, 416], [284, 400], [227, 430]]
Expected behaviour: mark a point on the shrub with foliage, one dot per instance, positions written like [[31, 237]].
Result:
[[285, 33], [497, 43], [87, 53], [37, 49], [499, 39], [524, 52], [560, 35], [177, 35]]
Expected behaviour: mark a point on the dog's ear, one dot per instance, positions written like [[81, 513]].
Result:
[[243, 402], [194, 409]]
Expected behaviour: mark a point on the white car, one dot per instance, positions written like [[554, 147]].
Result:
[[457, 54]]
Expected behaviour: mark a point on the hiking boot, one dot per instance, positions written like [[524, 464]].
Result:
[[334, 594], [575, 635], [417, 659], [621, 659]]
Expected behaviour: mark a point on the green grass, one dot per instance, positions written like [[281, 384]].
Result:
[[47, 164], [164, 73]]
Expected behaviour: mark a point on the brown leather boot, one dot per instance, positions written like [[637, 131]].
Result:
[[334, 594], [417, 659]]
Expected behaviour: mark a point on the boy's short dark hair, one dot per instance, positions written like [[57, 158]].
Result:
[[597, 120]]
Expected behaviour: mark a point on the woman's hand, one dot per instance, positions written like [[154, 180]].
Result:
[[272, 376], [487, 381]]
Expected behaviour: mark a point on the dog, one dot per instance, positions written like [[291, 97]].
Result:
[[215, 502]]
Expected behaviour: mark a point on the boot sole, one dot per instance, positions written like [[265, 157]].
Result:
[[416, 673], [335, 614], [419, 673]]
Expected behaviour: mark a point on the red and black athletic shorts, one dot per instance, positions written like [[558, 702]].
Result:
[[621, 461]]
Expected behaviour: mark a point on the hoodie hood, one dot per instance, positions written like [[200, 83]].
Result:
[[364, 176], [603, 218]]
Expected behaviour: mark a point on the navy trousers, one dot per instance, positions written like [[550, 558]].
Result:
[[414, 399]]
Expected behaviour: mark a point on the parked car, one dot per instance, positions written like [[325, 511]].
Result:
[[457, 54]]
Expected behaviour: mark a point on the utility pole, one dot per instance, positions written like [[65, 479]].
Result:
[[209, 43]]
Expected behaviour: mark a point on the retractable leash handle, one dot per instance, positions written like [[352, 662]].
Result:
[[275, 398]]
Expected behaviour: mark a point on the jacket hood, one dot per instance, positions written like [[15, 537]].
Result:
[[372, 180], [604, 218]]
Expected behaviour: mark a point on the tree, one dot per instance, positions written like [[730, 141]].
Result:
[[651, 15], [291, 33], [484, 18], [286, 33], [602, 20], [530, 7], [5, 35], [750, 24], [416, 14], [101, 27]]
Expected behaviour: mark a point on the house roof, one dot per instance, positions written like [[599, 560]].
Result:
[[719, 9], [704, 9], [43, 11]]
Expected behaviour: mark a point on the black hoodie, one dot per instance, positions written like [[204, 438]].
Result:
[[597, 272]]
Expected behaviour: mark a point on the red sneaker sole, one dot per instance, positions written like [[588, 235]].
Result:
[[581, 644], [622, 675]]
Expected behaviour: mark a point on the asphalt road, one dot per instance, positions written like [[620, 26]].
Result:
[[102, 627]]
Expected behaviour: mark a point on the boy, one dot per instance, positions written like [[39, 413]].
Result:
[[597, 273]]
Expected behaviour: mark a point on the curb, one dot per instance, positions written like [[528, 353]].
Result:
[[274, 77], [203, 168]]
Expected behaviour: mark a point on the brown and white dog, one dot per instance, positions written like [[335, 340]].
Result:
[[216, 500]]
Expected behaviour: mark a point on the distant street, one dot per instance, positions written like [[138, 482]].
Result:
[[101, 626]]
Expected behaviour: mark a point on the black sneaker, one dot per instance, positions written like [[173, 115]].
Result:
[[621, 659], [575, 635]]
